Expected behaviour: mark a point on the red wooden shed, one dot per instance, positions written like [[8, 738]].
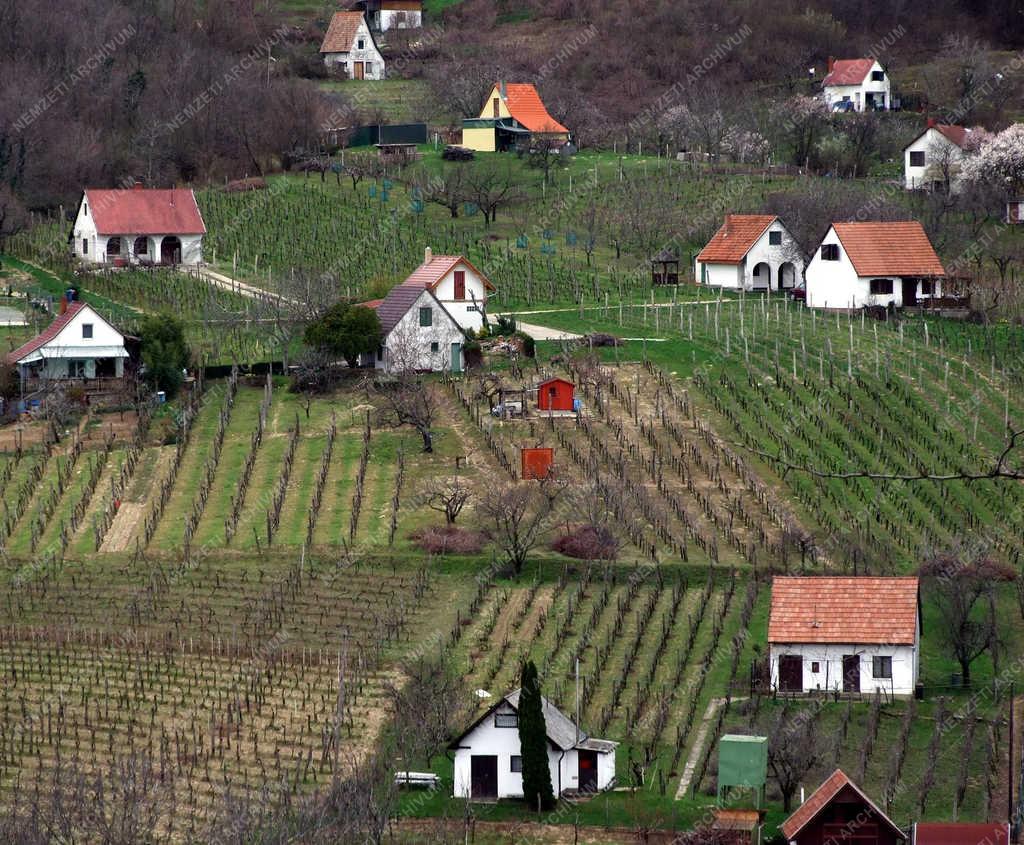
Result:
[[555, 394], [839, 813], [537, 462]]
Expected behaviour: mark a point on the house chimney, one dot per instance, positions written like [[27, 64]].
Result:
[[137, 186], [831, 63], [931, 123], [428, 255], [503, 90]]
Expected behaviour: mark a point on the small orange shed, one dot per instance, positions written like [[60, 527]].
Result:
[[555, 394], [537, 462]]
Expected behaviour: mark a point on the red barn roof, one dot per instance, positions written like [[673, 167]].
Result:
[[822, 797], [145, 211], [733, 241], [526, 106], [889, 249], [844, 609], [848, 71], [430, 273], [943, 833]]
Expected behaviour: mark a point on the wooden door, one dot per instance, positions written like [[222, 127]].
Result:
[[851, 673], [483, 776], [460, 284], [357, 71], [588, 771], [791, 673], [910, 291], [456, 357]]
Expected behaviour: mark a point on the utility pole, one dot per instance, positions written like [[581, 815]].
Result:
[[578, 707], [1009, 764]]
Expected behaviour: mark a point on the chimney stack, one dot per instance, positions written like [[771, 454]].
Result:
[[831, 63], [428, 255], [931, 123], [137, 186]]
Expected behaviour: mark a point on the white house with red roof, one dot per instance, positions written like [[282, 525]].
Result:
[[932, 160], [139, 226], [857, 85], [457, 284], [418, 333], [78, 344], [513, 115], [750, 252], [350, 48], [843, 634], [873, 263]]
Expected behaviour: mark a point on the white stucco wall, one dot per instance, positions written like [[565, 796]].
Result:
[[90, 246], [369, 53], [742, 275], [71, 345], [486, 739], [857, 93], [936, 148], [408, 345], [829, 658], [465, 312]]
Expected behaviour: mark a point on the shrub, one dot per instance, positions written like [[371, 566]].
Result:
[[588, 542], [529, 346], [447, 540]]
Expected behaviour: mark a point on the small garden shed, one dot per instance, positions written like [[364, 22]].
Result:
[[555, 394]]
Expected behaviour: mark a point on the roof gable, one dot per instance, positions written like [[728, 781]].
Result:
[[399, 301], [731, 243], [954, 134], [844, 609], [848, 71], [145, 211], [54, 330], [836, 784], [898, 248], [525, 105], [430, 273], [341, 33]]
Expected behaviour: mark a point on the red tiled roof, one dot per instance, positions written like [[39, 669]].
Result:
[[145, 211], [341, 32], [844, 609], [956, 134], [889, 249], [430, 273], [733, 241], [526, 106], [848, 71], [820, 799], [948, 833], [47, 334], [371, 303]]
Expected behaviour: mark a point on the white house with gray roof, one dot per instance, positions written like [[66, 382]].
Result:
[[419, 333], [489, 763]]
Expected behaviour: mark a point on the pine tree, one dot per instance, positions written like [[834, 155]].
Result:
[[533, 741]]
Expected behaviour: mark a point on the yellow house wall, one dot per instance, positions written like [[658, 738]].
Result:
[[479, 139], [488, 110]]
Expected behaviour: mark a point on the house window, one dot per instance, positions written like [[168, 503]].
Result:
[[496, 107], [881, 287], [917, 158], [830, 252], [460, 284], [434, 347], [815, 666], [380, 353], [426, 317], [927, 288], [506, 720], [76, 369], [515, 763], [85, 246], [877, 75], [471, 308], [775, 239], [881, 667], [87, 331], [85, 209], [360, 45], [369, 68]]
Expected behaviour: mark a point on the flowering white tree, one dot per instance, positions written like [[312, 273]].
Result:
[[999, 161]]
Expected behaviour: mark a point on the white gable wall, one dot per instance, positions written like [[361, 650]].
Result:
[[465, 311], [829, 658], [857, 94], [734, 276], [71, 345], [936, 147], [369, 54], [409, 346]]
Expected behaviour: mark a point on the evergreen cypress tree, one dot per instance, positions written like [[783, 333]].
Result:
[[533, 741]]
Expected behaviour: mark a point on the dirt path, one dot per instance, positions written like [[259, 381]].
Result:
[[481, 831], [698, 746], [132, 511], [242, 288]]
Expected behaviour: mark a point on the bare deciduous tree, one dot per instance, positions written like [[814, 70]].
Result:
[[517, 515], [793, 750], [447, 496]]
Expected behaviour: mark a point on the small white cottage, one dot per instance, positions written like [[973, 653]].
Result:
[[866, 263], [349, 47], [138, 226], [419, 333], [932, 160], [750, 252], [857, 85], [489, 763], [457, 284], [844, 634], [78, 344]]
